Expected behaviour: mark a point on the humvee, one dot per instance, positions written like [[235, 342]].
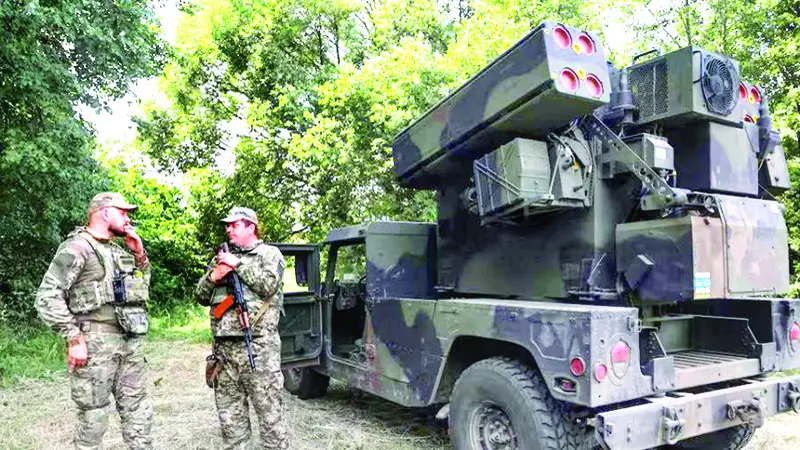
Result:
[[607, 267]]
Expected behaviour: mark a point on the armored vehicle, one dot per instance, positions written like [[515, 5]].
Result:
[[606, 269]]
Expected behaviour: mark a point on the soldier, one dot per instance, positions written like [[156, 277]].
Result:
[[94, 294], [260, 269]]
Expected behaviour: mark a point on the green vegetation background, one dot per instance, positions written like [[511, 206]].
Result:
[[304, 96]]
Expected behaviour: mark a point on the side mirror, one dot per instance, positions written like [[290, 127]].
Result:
[[301, 271]]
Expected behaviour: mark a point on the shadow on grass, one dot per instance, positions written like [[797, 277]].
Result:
[[417, 425]]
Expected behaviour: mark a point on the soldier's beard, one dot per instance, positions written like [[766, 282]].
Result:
[[118, 232]]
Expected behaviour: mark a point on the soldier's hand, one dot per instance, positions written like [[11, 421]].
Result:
[[133, 241], [219, 272], [77, 354], [228, 259]]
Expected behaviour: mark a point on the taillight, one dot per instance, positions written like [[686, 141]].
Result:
[[755, 95], [562, 37], [594, 86], [742, 91], [600, 372], [620, 358], [794, 333], [749, 119], [577, 367], [585, 44], [569, 79]]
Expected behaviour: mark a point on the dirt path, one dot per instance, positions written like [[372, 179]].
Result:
[[39, 415]]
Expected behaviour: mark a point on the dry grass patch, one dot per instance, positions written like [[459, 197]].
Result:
[[38, 414]]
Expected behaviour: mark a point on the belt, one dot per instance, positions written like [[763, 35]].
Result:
[[101, 327]]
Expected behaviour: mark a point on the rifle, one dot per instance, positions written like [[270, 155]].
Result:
[[244, 315]]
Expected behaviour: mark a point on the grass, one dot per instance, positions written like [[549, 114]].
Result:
[[30, 352], [36, 352], [190, 324], [38, 414]]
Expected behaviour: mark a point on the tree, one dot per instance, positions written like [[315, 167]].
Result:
[[55, 56], [308, 95]]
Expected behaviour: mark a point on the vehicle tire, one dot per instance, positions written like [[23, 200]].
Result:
[[305, 383], [503, 404], [734, 438]]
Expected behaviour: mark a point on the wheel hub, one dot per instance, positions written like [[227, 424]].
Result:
[[491, 429]]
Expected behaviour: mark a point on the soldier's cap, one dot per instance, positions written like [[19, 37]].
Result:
[[109, 199], [239, 213]]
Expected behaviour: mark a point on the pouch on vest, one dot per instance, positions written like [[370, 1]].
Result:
[[132, 319], [87, 297], [130, 287]]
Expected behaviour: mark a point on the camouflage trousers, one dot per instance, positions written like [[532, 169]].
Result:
[[116, 366], [262, 386]]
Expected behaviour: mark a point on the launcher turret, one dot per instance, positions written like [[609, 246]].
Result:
[[559, 176]]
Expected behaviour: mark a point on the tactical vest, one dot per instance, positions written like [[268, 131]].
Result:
[[108, 268], [229, 326]]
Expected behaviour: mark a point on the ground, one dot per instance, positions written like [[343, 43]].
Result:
[[38, 414]]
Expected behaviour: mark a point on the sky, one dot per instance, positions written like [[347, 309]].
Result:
[[117, 125]]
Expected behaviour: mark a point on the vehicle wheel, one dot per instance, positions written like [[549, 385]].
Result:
[[502, 404], [728, 439], [305, 383]]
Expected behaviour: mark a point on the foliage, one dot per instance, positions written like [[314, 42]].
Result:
[[308, 95], [30, 352], [764, 36], [164, 223], [53, 57]]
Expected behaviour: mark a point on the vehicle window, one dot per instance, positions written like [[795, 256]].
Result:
[[351, 262]]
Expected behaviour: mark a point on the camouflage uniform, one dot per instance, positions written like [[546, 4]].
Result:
[[261, 272], [76, 297]]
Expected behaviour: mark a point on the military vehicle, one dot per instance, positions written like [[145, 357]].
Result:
[[605, 271]]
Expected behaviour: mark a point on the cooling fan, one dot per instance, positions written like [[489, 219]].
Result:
[[720, 84]]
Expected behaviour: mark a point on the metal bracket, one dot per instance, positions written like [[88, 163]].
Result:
[[672, 424], [659, 194], [750, 411], [794, 397]]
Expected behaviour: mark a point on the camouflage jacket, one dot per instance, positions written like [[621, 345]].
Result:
[[261, 273], [78, 285]]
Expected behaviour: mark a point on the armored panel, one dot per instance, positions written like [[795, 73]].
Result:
[[757, 246], [745, 252], [401, 260], [716, 158], [672, 260], [773, 175], [548, 78], [689, 84]]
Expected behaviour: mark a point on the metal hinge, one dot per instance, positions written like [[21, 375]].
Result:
[[672, 423]]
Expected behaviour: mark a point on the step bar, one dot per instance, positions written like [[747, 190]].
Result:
[[678, 415]]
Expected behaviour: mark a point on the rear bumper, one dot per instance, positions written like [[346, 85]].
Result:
[[682, 415]]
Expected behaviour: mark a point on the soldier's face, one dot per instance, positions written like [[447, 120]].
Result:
[[117, 220], [240, 232]]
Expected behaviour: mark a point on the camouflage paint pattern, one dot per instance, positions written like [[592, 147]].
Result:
[[489, 109], [757, 249], [606, 283], [76, 292], [773, 176], [261, 387], [261, 272], [116, 367], [77, 285], [717, 158]]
